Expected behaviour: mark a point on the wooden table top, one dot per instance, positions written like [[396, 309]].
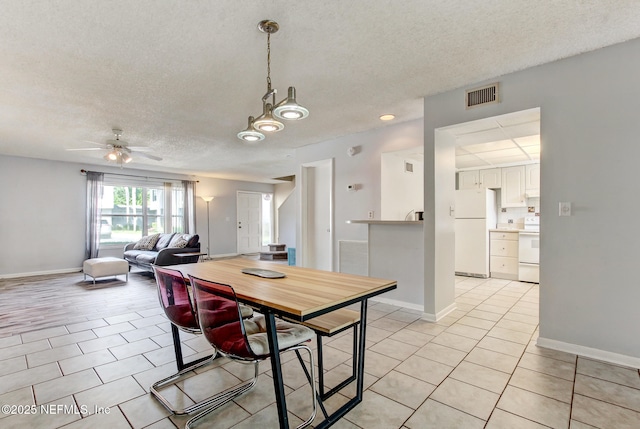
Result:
[[304, 292]]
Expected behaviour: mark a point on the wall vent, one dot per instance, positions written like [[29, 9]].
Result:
[[481, 96], [354, 257]]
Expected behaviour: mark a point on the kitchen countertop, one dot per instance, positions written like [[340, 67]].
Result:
[[512, 230]]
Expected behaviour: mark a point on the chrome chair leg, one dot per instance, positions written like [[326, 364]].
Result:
[[311, 376], [171, 380], [225, 397]]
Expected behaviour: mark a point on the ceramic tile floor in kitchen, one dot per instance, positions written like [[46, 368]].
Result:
[[478, 367]]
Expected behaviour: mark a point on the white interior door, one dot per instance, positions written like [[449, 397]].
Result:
[[249, 225], [317, 219]]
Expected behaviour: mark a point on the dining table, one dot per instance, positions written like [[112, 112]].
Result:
[[299, 295]]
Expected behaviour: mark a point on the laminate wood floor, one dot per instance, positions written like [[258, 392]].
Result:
[[33, 303]]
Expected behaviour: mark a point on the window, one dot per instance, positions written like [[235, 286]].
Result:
[[131, 211]]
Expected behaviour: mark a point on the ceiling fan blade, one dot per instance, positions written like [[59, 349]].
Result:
[[86, 148], [140, 148], [148, 155]]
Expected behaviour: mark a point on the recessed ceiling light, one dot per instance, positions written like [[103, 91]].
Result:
[[387, 117]]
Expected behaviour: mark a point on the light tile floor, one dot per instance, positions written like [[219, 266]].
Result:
[[478, 367]]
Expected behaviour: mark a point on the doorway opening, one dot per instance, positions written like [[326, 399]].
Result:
[[316, 236], [500, 156]]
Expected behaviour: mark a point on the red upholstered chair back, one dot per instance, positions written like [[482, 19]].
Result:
[[174, 299], [220, 318]]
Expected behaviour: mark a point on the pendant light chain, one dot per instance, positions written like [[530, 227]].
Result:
[[268, 61]]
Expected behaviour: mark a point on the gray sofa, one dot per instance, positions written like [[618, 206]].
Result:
[[148, 252]]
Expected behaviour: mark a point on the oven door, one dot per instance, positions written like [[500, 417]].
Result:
[[529, 247]]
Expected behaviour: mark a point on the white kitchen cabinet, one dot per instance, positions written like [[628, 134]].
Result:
[[513, 187], [489, 178], [468, 179], [532, 180], [503, 251]]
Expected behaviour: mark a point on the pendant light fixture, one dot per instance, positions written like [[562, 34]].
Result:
[[250, 134], [287, 109]]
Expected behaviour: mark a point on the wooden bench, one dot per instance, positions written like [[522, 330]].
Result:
[[329, 325], [333, 323]]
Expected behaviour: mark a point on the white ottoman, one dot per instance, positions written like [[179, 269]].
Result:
[[104, 267]]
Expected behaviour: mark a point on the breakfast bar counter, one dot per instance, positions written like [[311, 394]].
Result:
[[396, 250]]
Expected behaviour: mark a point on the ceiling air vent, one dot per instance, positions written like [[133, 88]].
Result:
[[481, 96]]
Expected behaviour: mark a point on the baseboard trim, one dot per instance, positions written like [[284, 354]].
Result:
[[430, 317], [40, 273], [589, 352], [220, 255], [398, 303]]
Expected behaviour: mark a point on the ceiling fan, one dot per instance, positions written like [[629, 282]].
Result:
[[119, 151]]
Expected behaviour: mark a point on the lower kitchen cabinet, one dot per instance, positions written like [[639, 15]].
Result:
[[503, 255]]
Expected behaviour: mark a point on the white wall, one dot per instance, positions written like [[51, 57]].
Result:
[[285, 207], [589, 291], [401, 192], [42, 214], [362, 169]]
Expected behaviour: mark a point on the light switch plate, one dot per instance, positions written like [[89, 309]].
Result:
[[564, 209]]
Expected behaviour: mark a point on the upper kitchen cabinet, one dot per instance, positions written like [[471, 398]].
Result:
[[489, 178], [532, 180], [468, 179], [513, 187]]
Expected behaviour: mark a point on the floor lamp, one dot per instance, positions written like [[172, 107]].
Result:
[[208, 200]]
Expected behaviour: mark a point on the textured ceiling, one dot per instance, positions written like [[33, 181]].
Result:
[[181, 77]]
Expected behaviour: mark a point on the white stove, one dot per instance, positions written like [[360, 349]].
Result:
[[529, 250], [532, 223]]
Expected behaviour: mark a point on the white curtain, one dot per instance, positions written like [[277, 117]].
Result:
[[95, 186], [189, 206]]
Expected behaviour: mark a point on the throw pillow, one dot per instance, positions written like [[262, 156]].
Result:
[[178, 241], [164, 241], [147, 243], [193, 240]]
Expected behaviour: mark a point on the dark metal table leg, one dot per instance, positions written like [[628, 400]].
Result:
[[340, 412], [361, 347], [277, 370], [175, 333], [177, 348]]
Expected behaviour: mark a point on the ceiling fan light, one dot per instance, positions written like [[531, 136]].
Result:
[[266, 122], [112, 156], [125, 158], [289, 109], [250, 134]]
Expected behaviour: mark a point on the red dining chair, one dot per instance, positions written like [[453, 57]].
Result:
[[177, 305], [244, 340]]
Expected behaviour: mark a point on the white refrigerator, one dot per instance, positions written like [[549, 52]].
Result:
[[475, 212]]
